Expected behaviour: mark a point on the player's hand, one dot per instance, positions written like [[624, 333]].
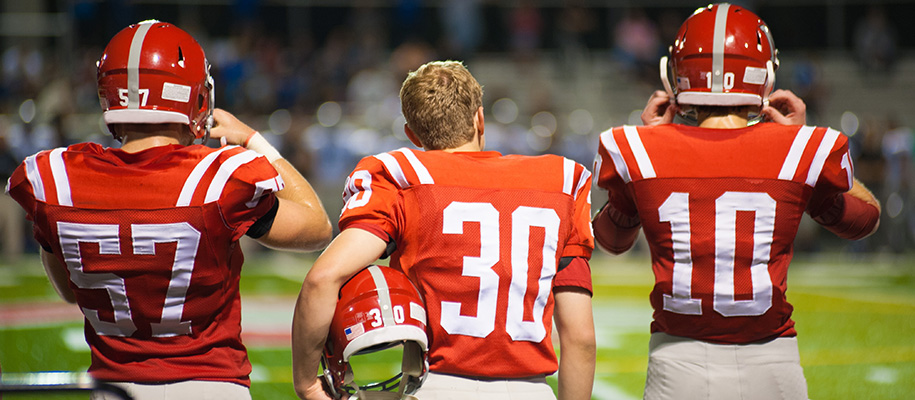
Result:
[[230, 130], [659, 109], [785, 108], [317, 391]]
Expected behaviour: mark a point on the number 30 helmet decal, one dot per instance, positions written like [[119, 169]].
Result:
[[377, 309], [153, 72], [723, 55]]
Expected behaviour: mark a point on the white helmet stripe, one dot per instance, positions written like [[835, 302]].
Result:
[[384, 296], [718, 37], [133, 64]]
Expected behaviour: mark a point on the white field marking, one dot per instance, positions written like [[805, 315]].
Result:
[[615, 319], [75, 340], [882, 375], [259, 373], [265, 321], [606, 391]]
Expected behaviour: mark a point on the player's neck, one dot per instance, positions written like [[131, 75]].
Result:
[[729, 121], [137, 143], [475, 144]]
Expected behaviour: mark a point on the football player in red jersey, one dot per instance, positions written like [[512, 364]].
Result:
[[144, 238], [720, 204], [497, 245]]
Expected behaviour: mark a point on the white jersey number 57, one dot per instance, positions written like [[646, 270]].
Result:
[[144, 238]]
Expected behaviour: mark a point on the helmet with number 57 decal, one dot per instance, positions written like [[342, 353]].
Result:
[[723, 55], [153, 72], [377, 309]]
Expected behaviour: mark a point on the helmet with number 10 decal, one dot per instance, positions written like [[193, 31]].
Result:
[[153, 72], [377, 309], [723, 55]]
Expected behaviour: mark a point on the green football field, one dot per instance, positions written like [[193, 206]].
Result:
[[855, 317]]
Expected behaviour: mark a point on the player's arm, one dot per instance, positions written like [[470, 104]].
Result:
[[57, 274], [301, 222], [577, 344], [853, 215], [614, 231], [351, 251]]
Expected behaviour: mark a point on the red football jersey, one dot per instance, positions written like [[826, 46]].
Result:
[[481, 235], [149, 240], [720, 210]]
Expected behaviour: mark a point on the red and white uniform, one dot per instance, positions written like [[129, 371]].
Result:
[[149, 240], [481, 235], [720, 210]]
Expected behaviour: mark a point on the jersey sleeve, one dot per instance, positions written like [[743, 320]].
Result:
[[21, 189], [612, 174], [576, 274], [581, 240], [836, 177], [249, 194], [371, 197]]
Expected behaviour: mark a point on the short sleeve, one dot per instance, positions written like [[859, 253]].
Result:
[[836, 177], [249, 194], [371, 197]]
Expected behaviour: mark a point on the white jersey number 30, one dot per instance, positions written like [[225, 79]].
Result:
[[523, 219]]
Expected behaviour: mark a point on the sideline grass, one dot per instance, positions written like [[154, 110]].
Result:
[[856, 322]]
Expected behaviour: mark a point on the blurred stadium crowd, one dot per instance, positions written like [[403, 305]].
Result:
[[320, 79]]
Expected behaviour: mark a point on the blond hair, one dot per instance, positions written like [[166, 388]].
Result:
[[439, 101]]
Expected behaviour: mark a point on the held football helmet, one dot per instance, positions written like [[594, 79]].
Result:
[[379, 308], [153, 72], [723, 55]]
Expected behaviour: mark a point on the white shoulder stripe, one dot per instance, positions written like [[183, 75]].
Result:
[[606, 140], [568, 175], [34, 177], [190, 184], [638, 150], [418, 167], [59, 174], [789, 168], [582, 181], [225, 171], [816, 167], [394, 169]]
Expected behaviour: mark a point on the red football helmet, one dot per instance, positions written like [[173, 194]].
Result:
[[377, 309], [153, 72], [723, 55]]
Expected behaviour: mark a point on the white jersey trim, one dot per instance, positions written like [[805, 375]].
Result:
[[59, 174], [568, 175], [606, 139], [193, 180], [638, 150], [396, 169], [582, 181], [424, 177], [34, 176], [819, 160], [218, 184], [789, 168]]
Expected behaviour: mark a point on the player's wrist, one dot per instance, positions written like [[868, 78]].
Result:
[[256, 142]]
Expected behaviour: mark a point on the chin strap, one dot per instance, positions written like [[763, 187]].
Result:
[[665, 79]]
